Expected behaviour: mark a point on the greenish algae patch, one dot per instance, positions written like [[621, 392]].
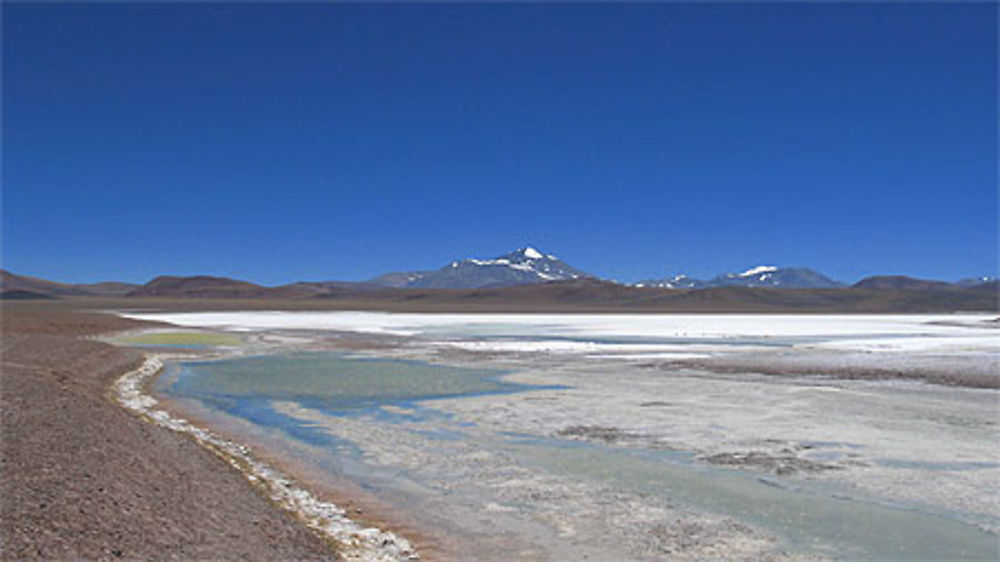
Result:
[[182, 338]]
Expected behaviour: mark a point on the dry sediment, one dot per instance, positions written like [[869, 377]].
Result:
[[84, 479], [947, 370]]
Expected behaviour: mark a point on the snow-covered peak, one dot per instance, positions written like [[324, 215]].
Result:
[[522, 266], [531, 253], [522, 259], [758, 270]]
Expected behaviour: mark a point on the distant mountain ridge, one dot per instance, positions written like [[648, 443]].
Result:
[[758, 276], [573, 295], [23, 286], [521, 270]]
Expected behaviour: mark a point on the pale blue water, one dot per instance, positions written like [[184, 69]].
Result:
[[334, 383], [331, 381]]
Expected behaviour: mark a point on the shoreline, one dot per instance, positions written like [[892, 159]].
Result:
[[294, 459], [352, 540], [84, 478]]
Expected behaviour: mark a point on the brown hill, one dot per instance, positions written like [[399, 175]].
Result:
[[894, 282], [305, 289], [107, 288], [199, 286], [13, 282], [18, 286]]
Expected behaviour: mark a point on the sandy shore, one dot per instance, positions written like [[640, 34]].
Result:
[[84, 479]]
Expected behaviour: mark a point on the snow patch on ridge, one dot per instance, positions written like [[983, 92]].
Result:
[[498, 261], [758, 270], [532, 253]]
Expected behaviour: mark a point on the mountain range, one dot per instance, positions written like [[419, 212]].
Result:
[[758, 276], [523, 267], [529, 265]]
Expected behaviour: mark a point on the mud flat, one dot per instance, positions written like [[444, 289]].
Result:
[[547, 441]]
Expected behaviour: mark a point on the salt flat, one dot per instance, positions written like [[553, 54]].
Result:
[[638, 436], [906, 332]]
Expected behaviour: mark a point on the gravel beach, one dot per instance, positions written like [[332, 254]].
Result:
[[84, 479]]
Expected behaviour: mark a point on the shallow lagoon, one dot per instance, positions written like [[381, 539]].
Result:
[[396, 398], [331, 380]]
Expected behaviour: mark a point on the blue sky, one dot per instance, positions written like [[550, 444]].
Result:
[[319, 141]]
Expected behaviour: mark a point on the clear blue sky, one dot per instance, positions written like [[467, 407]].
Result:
[[319, 141]]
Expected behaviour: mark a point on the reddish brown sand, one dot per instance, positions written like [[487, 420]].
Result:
[[80, 478]]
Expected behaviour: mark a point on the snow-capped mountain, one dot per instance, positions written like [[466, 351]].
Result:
[[771, 276], [757, 276], [679, 281], [529, 265], [521, 267]]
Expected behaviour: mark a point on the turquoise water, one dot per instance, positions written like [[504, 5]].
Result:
[[340, 384], [336, 383], [333, 381]]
